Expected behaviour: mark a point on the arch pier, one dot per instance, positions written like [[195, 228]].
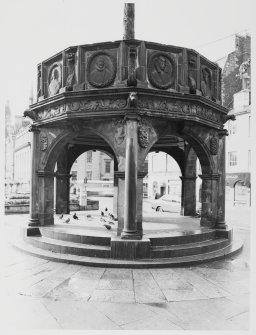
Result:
[[128, 98]]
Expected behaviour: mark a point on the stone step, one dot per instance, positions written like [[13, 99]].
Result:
[[78, 236], [228, 251], [189, 248], [182, 237], [66, 247]]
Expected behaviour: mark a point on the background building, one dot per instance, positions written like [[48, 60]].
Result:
[[237, 97]]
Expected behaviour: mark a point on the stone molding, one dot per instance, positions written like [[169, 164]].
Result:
[[121, 174], [213, 176], [42, 173], [143, 104], [187, 178]]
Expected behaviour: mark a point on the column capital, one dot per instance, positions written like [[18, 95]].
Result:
[[188, 177], [42, 173], [121, 174], [210, 176], [62, 175], [33, 128], [222, 132]]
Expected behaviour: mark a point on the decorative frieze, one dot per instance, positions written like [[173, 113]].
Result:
[[179, 107], [120, 131]]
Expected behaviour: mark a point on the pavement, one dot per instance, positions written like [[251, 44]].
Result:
[[37, 294]]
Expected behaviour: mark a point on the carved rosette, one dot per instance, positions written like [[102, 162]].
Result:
[[54, 79], [120, 131], [214, 146], [161, 70], [101, 69], [43, 141]]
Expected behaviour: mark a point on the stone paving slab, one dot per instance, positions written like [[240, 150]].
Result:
[[40, 294]]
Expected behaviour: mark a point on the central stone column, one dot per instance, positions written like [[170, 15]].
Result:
[[130, 230], [189, 196]]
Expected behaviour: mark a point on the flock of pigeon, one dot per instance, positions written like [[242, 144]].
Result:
[[106, 218]]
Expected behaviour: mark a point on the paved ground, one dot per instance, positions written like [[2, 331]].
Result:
[[39, 294]]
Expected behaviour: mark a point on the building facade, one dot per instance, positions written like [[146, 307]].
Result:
[[239, 139]]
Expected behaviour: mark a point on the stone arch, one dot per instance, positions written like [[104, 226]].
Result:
[[58, 145]]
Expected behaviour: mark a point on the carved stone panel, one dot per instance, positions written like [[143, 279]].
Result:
[[214, 146], [54, 79], [43, 141], [206, 82], [144, 127], [192, 74], [70, 81], [120, 131], [161, 70], [101, 69]]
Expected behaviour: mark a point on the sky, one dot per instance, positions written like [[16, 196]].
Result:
[[33, 30]]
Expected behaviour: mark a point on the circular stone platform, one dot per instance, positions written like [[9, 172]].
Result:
[[177, 241]]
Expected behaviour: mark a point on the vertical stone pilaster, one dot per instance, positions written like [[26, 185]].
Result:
[[34, 189], [46, 197], [120, 175], [139, 216], [221, 224], [189, 197], [210, 184], [62, 192], [115, 197]]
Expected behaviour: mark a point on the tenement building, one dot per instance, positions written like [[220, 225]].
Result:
[[237, 97]]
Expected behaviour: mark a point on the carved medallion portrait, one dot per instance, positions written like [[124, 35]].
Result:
[[101, 69], [43, 141], [54, 79], [161, 70]]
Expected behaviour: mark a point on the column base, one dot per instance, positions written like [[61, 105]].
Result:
[[121, 249], [221, 225], [130, 235], [33, 222]]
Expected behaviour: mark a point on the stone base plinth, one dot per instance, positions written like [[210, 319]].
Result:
[[130, 249]]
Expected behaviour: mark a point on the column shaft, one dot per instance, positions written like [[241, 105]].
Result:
[[34, 189], [62, 193]]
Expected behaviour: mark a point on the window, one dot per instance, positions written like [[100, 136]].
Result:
[[74, 175], [89, 156], [232, 127], [107, 166], [232, 158], [89, 175]]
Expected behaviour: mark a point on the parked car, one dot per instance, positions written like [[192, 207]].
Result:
[[171, 203], [167, 203]]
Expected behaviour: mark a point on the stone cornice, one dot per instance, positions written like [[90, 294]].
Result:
[[170, 105], [210, 176]]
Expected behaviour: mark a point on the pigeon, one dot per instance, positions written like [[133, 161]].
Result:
[[106, 209], [111, 216], [102, 220], [75, 217], [61, 216], [110, 222], [102, 213], [107, 226], [67, 221], [88, 216]]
